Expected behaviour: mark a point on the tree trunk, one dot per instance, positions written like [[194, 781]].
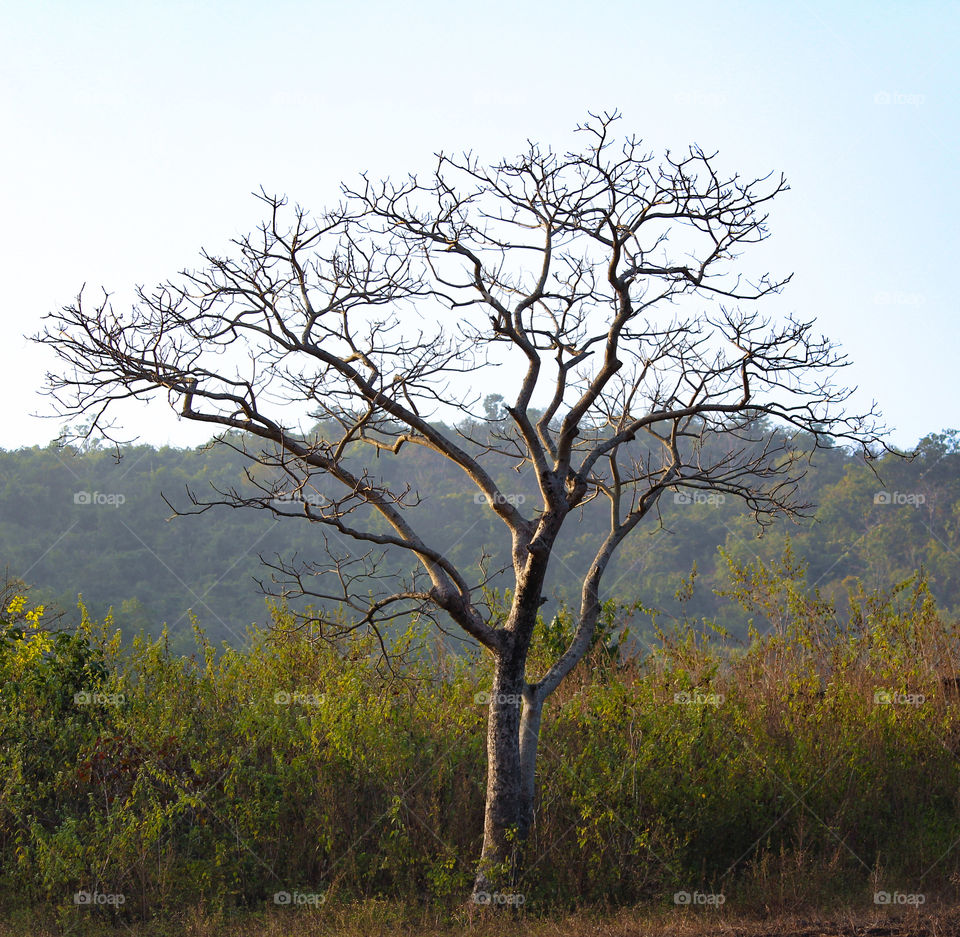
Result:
[[509, 806], [513, 727], [529, 740]]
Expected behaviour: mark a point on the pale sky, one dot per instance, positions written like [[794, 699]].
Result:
[[133, 134]]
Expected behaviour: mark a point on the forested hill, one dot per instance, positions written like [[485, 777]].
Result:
[[84, 523]]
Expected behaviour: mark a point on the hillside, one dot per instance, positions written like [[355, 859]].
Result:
[[83, 522]]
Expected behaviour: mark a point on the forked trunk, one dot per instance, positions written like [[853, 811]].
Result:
[[513, 728], [505, 813]]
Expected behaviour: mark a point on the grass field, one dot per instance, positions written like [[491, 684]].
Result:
[[373, 919]]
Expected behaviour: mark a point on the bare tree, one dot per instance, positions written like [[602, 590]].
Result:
[[600, 282]]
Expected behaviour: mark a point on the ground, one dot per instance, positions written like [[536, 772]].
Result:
[[378, 921]]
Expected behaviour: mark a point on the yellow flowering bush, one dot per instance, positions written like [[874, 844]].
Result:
[[23, 640]]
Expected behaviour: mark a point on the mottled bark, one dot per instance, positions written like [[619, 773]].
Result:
[[529, 743], [506, 809]]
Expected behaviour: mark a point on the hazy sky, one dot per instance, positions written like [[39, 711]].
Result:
[[133, 134]]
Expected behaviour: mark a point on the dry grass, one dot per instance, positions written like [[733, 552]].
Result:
[[386, 919]]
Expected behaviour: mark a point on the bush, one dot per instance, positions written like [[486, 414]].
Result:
[[817, 759]]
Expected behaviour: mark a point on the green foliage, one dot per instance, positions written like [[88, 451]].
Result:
[[814, 758]]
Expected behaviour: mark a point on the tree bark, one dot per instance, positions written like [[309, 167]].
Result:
[[509, 804], [533, 701]]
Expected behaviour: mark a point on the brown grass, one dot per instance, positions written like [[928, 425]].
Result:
[[386, 919]]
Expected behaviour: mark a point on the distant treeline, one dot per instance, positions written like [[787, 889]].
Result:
[[82, 522]]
